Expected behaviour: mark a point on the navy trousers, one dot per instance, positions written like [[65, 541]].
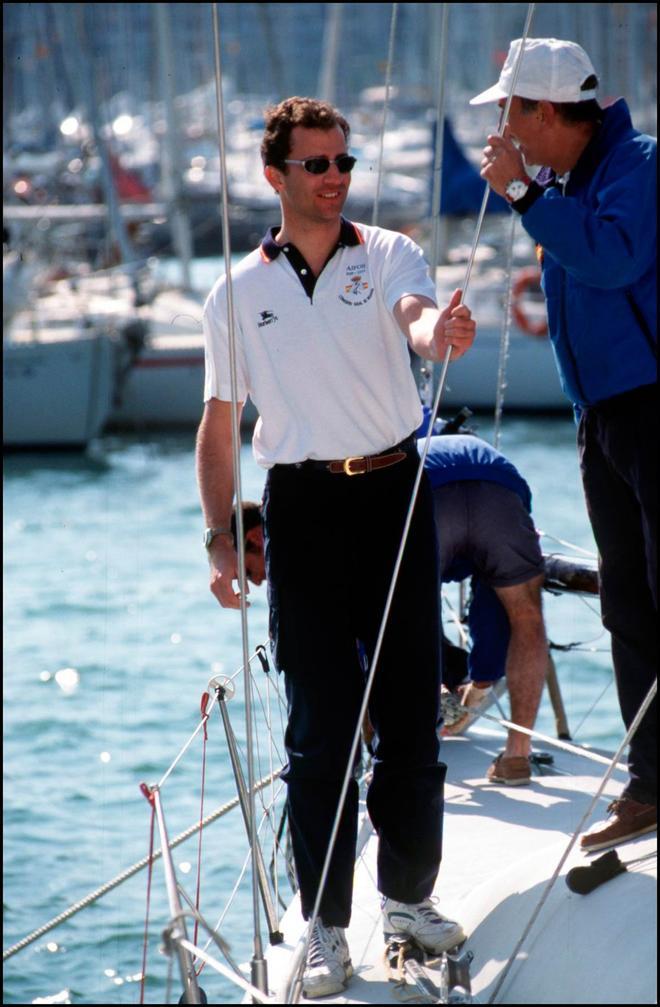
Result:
[[617, 441], [331, 542]]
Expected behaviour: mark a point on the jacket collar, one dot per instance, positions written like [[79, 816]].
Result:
[[615, 125]]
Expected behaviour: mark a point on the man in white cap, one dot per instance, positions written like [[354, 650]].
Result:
[[592, 212]]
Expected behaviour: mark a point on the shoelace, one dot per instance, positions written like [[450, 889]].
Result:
[[319, 944], [431, 914]]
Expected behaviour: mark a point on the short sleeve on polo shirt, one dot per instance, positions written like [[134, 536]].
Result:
[[406, 272], [217, 382]]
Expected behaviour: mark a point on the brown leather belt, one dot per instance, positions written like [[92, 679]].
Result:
[[361, 464]]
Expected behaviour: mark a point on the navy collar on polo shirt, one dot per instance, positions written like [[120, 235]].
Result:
[[348, 237]]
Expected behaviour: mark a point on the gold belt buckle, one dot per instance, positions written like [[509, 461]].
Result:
[[347, 465]]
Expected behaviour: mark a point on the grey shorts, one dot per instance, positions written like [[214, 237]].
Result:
[[486, 525]]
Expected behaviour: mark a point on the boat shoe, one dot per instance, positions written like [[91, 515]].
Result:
[[514, 770], [328, 966], [474, 702], [420, 921], [628, 819], [453, 711]]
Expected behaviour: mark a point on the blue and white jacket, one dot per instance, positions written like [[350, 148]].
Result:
[[598, 253]]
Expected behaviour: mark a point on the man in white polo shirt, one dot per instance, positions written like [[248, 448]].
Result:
[[321, 312]]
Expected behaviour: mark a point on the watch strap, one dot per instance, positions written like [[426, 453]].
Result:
[[534, 192], [211, 533]]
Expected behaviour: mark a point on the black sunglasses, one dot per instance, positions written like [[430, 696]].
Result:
[[319, 165]]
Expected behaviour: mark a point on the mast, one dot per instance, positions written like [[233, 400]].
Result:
[[72, 25], [327, 83], [171, 173]]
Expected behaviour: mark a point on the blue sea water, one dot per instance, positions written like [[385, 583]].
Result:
[[105, 576]]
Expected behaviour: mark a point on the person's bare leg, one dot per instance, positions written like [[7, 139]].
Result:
[[527, 658]]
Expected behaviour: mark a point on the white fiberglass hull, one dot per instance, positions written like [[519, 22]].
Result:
[[501, 847], [57, 393]]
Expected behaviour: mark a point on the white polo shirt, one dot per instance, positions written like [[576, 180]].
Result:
[[329, 374]]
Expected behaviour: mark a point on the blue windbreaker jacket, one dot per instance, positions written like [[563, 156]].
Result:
[[598, 241]]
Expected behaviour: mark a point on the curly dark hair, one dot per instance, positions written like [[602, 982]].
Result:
[[282, 118]]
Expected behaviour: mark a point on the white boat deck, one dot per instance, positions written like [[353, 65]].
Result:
[[501, 846]]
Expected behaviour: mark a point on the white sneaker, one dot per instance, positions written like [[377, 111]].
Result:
[[433, 932], [328, 967]]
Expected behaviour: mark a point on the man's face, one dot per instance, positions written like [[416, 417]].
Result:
[[314, 198], [527, 130], [255, 566]]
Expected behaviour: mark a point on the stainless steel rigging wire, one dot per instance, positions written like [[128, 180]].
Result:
[[295, 985], [258, 963], [505, 335]]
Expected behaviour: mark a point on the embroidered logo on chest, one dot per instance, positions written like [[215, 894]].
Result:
[[356, 287], [267, 318]]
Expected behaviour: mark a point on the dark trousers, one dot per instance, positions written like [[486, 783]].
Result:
[[331, 543], [617, 440]]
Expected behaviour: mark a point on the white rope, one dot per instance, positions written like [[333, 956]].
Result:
[[236, 455], [614, 763], [386, 105]]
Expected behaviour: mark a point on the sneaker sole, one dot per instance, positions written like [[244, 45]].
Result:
[[331, 988], [593, 847], [451, 942]]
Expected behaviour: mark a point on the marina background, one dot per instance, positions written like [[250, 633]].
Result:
[[138, 81], [110, 633]]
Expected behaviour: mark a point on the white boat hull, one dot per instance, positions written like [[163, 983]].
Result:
[[164, 387], [501, 847], [57, 393], [531, 381]]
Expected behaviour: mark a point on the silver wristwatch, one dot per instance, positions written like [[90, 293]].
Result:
[[210, 534]]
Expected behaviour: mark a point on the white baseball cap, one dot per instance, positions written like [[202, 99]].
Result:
[[550, 70]]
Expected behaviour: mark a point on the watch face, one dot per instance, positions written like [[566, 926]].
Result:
[[516, 189]]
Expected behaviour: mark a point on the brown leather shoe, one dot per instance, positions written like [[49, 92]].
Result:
[[513, 770], [628, 819]]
